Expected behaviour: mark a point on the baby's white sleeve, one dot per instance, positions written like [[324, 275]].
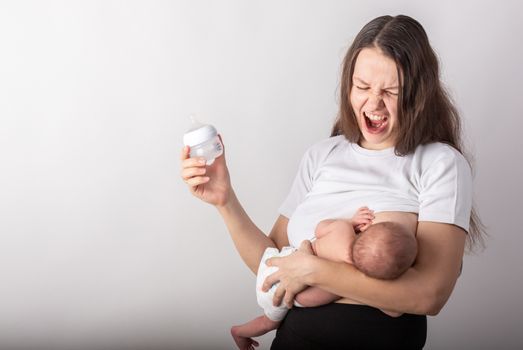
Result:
[[446, 194], [301, 186]]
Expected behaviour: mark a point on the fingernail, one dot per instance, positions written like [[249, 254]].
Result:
[[201, 161]]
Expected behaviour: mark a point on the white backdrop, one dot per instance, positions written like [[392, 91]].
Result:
[[101, 243]]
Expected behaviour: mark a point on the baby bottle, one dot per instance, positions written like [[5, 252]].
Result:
[[203, 140]]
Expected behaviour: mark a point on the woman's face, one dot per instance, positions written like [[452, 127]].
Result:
[[374, 98]]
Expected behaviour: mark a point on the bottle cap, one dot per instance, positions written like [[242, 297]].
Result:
[[198, 133]]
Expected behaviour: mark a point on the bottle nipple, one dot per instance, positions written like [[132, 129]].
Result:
[[195, 124]]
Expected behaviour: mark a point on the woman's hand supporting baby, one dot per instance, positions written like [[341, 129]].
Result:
[[292, 272]]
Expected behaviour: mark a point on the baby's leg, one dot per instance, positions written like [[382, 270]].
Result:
[[243, 334], [314, 296]]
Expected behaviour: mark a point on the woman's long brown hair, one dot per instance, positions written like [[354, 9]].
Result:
[[425, 111]]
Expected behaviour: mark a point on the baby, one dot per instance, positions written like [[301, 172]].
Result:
[[382, 250]]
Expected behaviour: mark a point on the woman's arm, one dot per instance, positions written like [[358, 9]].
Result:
[[212, 185], [423, 289], [249, 240]]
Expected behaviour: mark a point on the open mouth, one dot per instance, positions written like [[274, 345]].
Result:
[[375, 123]]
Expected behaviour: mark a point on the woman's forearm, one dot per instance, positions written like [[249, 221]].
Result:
[[249, 240], [423, 289], [345, 280]]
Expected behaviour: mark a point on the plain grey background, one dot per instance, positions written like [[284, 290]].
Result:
[[101, 243]]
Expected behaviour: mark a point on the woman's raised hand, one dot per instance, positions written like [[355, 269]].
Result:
[[211, 183]]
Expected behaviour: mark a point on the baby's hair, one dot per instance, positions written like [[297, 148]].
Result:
[[384, 251]]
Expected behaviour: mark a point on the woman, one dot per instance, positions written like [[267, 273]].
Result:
[[394, 147]]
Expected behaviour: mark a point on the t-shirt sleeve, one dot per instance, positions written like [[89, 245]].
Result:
[[301, 185], [446, 194]]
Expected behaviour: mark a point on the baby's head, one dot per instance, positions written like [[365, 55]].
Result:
[[385, 250]]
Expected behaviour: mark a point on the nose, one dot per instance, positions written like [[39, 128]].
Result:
[[375, 100]]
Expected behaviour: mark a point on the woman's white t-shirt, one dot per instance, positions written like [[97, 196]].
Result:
[[336, 177]]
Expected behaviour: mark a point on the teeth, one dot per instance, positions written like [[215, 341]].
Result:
[[375, 117]]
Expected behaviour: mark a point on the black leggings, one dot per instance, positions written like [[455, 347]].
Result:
[[347, 326]]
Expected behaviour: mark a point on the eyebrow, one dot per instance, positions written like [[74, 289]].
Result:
[[365, 83]]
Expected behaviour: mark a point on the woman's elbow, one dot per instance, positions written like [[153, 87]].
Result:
[[432, 309], [433, 303]]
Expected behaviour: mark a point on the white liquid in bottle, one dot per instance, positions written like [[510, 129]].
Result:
[[203, 140]]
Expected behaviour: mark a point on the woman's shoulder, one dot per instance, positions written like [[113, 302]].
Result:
[[320, 150], [327, 144], [437, 153]]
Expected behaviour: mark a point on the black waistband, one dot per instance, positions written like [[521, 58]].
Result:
[[347, 326]]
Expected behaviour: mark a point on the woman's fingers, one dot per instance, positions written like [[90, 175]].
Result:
[[278, 295], [193, 162], [195, 181], [288, 299], [185, 153], [280, 291], [193, 169], [272, 261], [282, 295], [188, 173], [193, 176], [270, 280], [290, 268]]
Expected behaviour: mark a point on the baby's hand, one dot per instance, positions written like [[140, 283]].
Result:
[[362, 219]]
